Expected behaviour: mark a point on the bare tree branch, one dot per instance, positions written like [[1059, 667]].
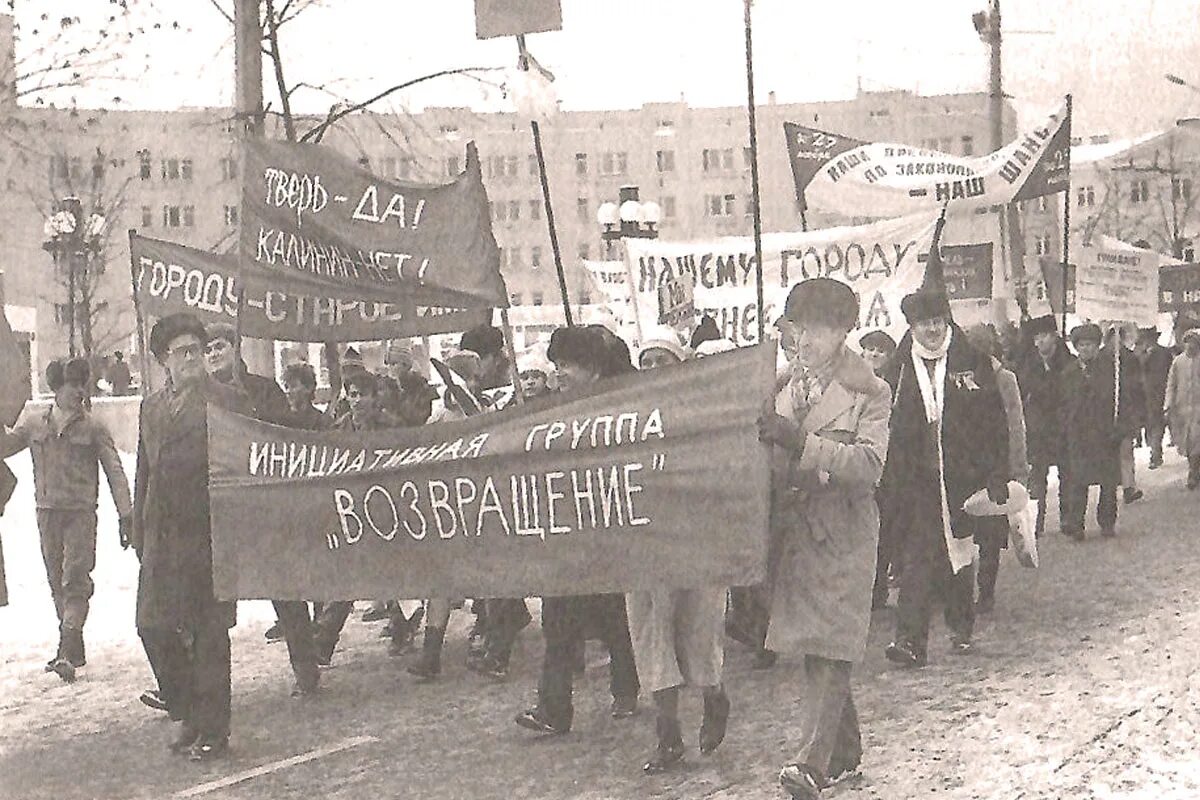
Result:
[[336, 114]]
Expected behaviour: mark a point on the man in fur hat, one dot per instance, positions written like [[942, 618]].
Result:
[[1095, 421], [949, 439], [67, 444], [581, 356]]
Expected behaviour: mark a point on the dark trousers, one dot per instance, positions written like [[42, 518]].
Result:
[[1039, 477], [1077, 497], [68, 539], [192, 667], [885, 552], [928, 577], [298, 633], [749, 615], [506, 617], [566, 623], [991, 534], [1155, 431], [829, 734], [330, 621]]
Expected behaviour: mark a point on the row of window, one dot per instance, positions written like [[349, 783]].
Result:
[[538, 298], [170, 169], [183, 216]]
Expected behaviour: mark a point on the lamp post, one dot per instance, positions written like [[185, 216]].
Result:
[[73, 242], [629, 218]]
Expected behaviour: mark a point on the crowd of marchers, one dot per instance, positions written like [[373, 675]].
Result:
[[875, 451]]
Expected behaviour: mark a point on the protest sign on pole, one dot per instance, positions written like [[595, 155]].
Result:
[[656, 480], [169, 277], [847, 175], [881, 262], [317, 223], [495, 18], [1116, 281]]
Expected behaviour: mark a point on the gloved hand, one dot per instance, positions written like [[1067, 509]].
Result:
[[779, 430], [125, 530], [998, 491]]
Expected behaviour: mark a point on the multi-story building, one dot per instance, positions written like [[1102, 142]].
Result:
[[175, 175]]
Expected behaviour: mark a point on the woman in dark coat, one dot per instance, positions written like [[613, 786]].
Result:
[[184, 628]]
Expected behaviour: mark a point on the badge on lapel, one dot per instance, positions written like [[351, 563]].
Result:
[[964, 380]]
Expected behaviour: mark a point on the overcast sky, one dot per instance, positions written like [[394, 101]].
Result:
[[1111, 54]]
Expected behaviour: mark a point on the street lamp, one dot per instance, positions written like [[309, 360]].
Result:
[[631, 219], [73, 242]]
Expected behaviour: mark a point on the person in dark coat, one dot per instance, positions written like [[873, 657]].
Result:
[[183, 627], [877, 349], [949, 439], [1156, 364], [1095, 420], [581, 356], [1133, 391], [1040, 377], [118, 375], [269, 404]]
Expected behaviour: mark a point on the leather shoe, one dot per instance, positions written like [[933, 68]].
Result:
[[905, 654], [624, 707], [533, 720], [800, 781], [715, 721], [152, 699]]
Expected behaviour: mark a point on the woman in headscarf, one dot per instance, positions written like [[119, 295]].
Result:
[[830, 422]]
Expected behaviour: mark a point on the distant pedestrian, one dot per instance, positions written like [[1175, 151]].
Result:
[[1156, 364], [1183, 404], [67, 444], [118, 375], [1095, 419], [1039, 375]]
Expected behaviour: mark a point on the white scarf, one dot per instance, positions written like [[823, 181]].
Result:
[[933, 392]]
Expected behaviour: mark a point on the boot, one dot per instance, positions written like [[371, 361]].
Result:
[[716, 720], [429, 666], [72, 647], [669, 752]]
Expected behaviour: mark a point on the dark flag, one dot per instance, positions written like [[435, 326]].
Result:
[[516, 17]]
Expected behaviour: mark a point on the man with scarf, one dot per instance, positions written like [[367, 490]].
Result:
[[949, 439], [183, 627]]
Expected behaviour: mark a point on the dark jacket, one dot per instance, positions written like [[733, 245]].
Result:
[[974, 431], [1156, 363], [1091, 428], [268, 402], [1041, 399], [309, 418], [172, 532]]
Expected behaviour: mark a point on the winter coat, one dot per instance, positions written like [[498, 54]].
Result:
[[1183, 404], [172, 532], [1156, 364], [1014, 414], [827, 522], [1093, 432], [1041, 400], [974, 434]]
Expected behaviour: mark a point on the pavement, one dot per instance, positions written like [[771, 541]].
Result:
[[1084, 684]]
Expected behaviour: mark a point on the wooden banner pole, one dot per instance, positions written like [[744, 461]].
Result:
[[143, 356], [754, 192]]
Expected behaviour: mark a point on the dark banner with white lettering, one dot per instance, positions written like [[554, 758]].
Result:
[[315, 222], [171, 277], [656, 480], [884, 179]]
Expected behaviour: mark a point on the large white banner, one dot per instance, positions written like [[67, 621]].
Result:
[[882, 179], [882, 262], [1116, 281]]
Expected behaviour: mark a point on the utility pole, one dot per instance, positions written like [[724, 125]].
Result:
[[995, 77], [248, 107]]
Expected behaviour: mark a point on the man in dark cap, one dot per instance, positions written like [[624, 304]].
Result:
[[183, 627], [949, 439], [1095, 420], [1156, 364], [581, 357], [1040, 377], [878, 349], [67, 443]]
